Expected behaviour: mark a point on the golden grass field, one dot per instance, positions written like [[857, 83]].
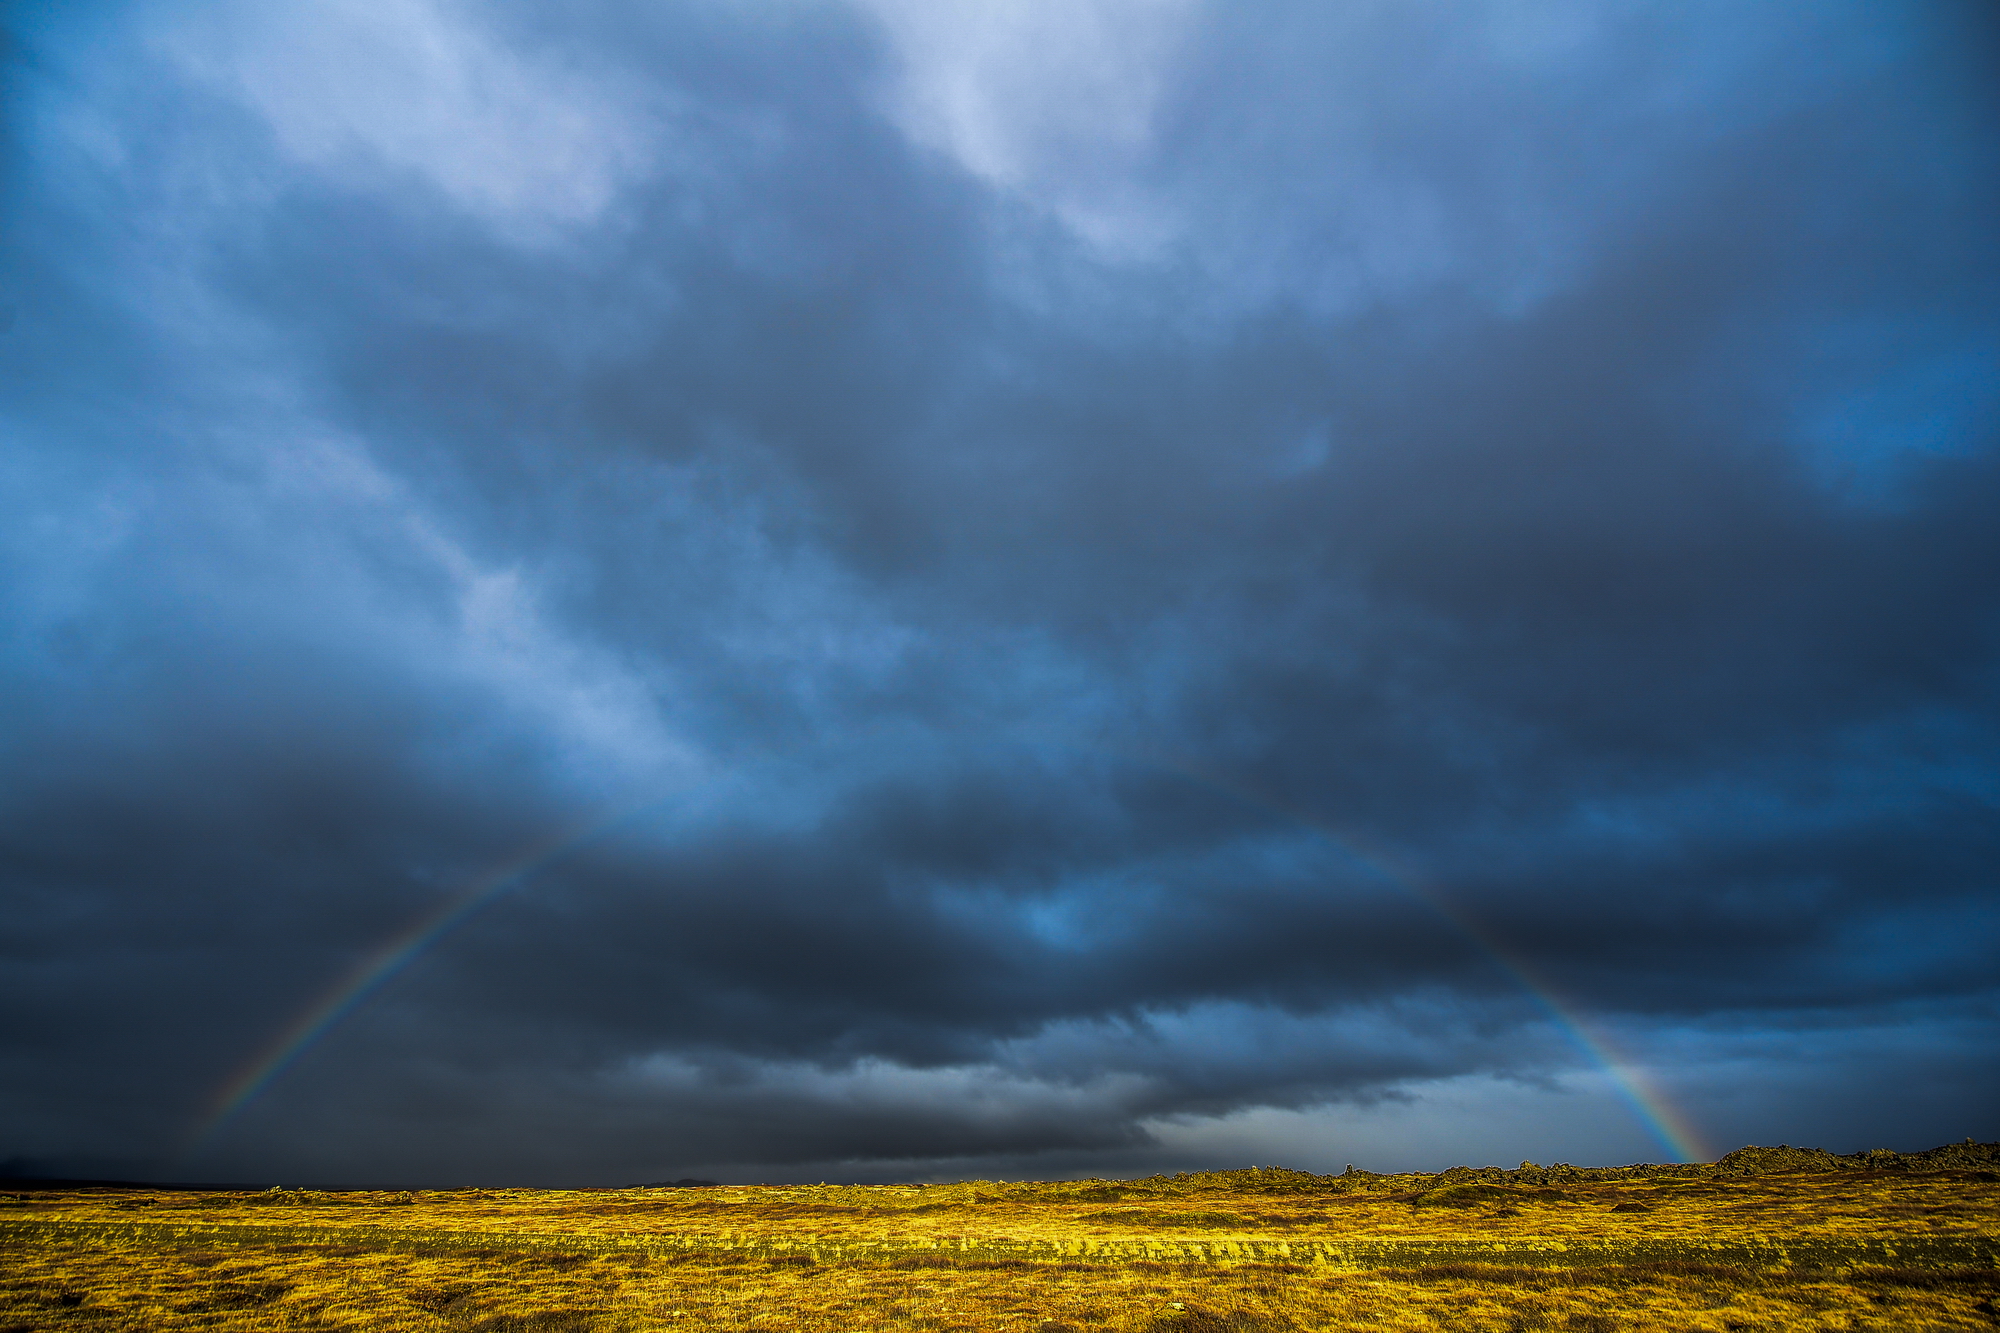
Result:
[[1766, 1239]]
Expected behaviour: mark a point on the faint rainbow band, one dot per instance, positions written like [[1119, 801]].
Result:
[[1651, 1107], [1664, 1121], [382, 963]]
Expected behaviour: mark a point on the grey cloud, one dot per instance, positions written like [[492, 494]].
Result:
[[1081, 654]]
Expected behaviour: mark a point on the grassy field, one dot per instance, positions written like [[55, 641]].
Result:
[[1766, 1239]]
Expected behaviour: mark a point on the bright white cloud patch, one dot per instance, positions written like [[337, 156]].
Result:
[[1052, 102], [424, 89]]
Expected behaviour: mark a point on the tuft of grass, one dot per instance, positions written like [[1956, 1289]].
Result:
[[1466, 1196], [1188, 1219], [1230, 1320]]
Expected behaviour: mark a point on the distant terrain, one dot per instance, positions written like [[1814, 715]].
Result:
[[1766, 1238]]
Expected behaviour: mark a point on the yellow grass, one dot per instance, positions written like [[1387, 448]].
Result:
[[1846, 1249]]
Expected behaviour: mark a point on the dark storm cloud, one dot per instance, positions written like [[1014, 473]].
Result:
[[1085, 630]]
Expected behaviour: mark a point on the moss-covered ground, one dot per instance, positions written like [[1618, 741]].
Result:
[[1766, 1239]]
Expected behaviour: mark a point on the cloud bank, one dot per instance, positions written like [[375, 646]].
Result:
[[932, 591]]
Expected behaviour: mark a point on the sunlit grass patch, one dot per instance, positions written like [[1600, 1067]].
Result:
[[1470, 1251], [262, 1288]]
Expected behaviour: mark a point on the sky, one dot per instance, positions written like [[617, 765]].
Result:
[[768, 590]]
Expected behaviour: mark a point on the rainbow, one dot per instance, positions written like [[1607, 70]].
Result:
[[381, 964], [1660, 1118], [375, 970]]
